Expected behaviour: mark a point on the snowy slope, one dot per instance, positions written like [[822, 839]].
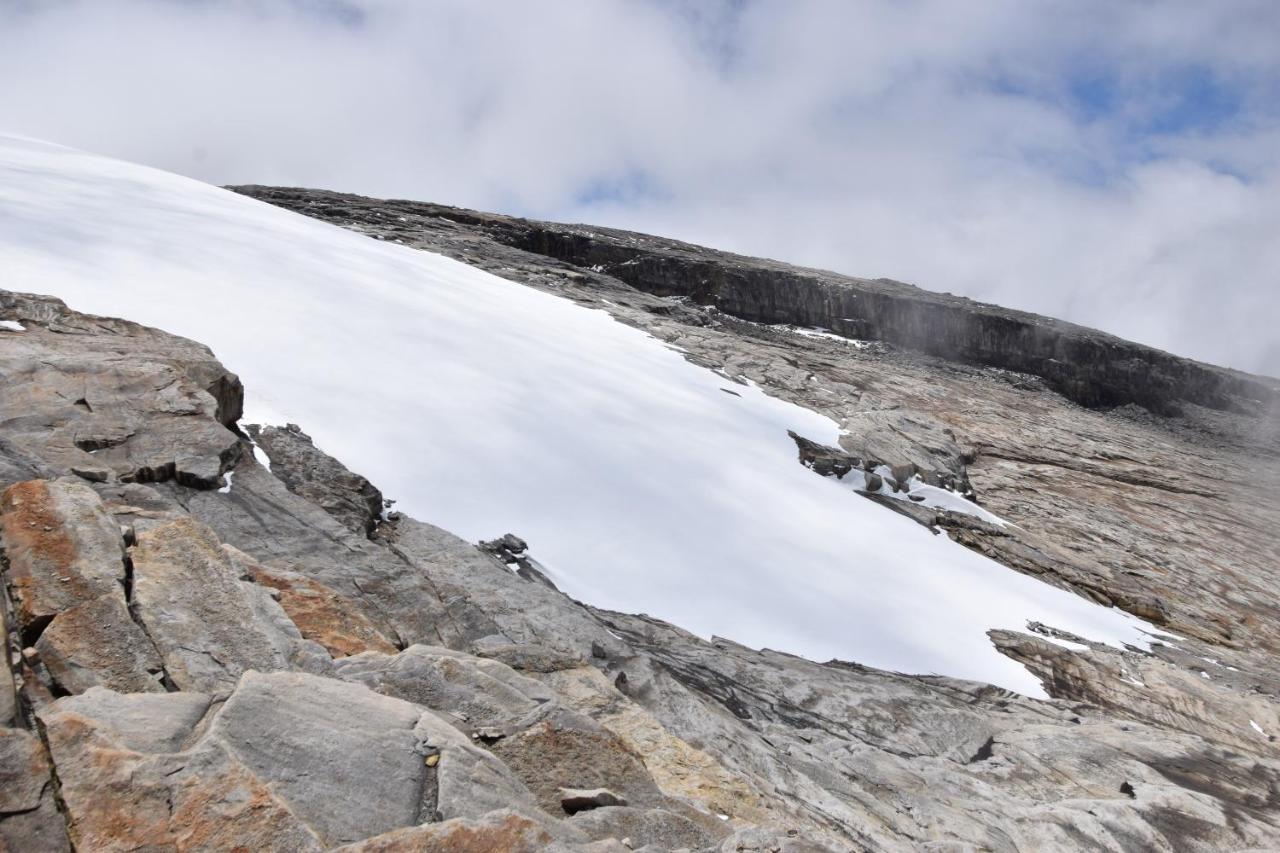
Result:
[[487, 407]]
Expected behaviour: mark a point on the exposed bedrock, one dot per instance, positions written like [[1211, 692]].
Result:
[[348, 497]]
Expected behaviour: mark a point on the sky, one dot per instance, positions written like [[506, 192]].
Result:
[[1116, 164]]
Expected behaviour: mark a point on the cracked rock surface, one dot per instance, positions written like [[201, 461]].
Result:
[[282, 666]]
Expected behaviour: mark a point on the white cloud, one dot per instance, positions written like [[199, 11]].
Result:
[[1113, 164]]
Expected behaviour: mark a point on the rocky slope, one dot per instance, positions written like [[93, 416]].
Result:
[[208, 652]]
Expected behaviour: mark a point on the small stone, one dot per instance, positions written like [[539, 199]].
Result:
[[574, 800], [92, 473], [432, 760]]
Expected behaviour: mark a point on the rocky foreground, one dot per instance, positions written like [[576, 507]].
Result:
[[207, 653]]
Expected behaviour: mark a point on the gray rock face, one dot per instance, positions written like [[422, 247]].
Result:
[[130, 780], [344, 759], [29, 818], [97, 644], [464, 696], [208, 626], [574, 800], [306, 471], [63, 549], [68, 574], [478, 692], [151, 407]]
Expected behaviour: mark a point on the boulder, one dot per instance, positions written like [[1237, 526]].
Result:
[[29, 818], [209, 626], [479, 691], [98, 644], [310, 473], [321, 613], [62, 547]]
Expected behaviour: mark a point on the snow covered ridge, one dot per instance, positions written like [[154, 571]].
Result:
[[485, 407]]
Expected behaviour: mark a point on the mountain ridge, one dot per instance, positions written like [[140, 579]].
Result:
[[906, 315]]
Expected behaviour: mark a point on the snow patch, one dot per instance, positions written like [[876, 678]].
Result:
[[819, 332], [1066, 644], [12, 326], [259, 455]]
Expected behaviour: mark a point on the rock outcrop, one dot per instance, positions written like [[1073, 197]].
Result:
[[282, 665]]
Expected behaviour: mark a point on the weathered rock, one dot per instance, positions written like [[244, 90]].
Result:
[[757, 840], [400, 602], [494, 606], [98, 644], [480, 692], [318, 477], [567, 751], [657, 827], [1142, 687], [321, 614], [148, 407], [8, 690], [138, 722], [127, 787], [879, 757], [208, 626], [29, 818], [680, 769], [345, 759], [502, 830], [67, 569], [290, 761], [530, 657], [62, 547], [139, 508]]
